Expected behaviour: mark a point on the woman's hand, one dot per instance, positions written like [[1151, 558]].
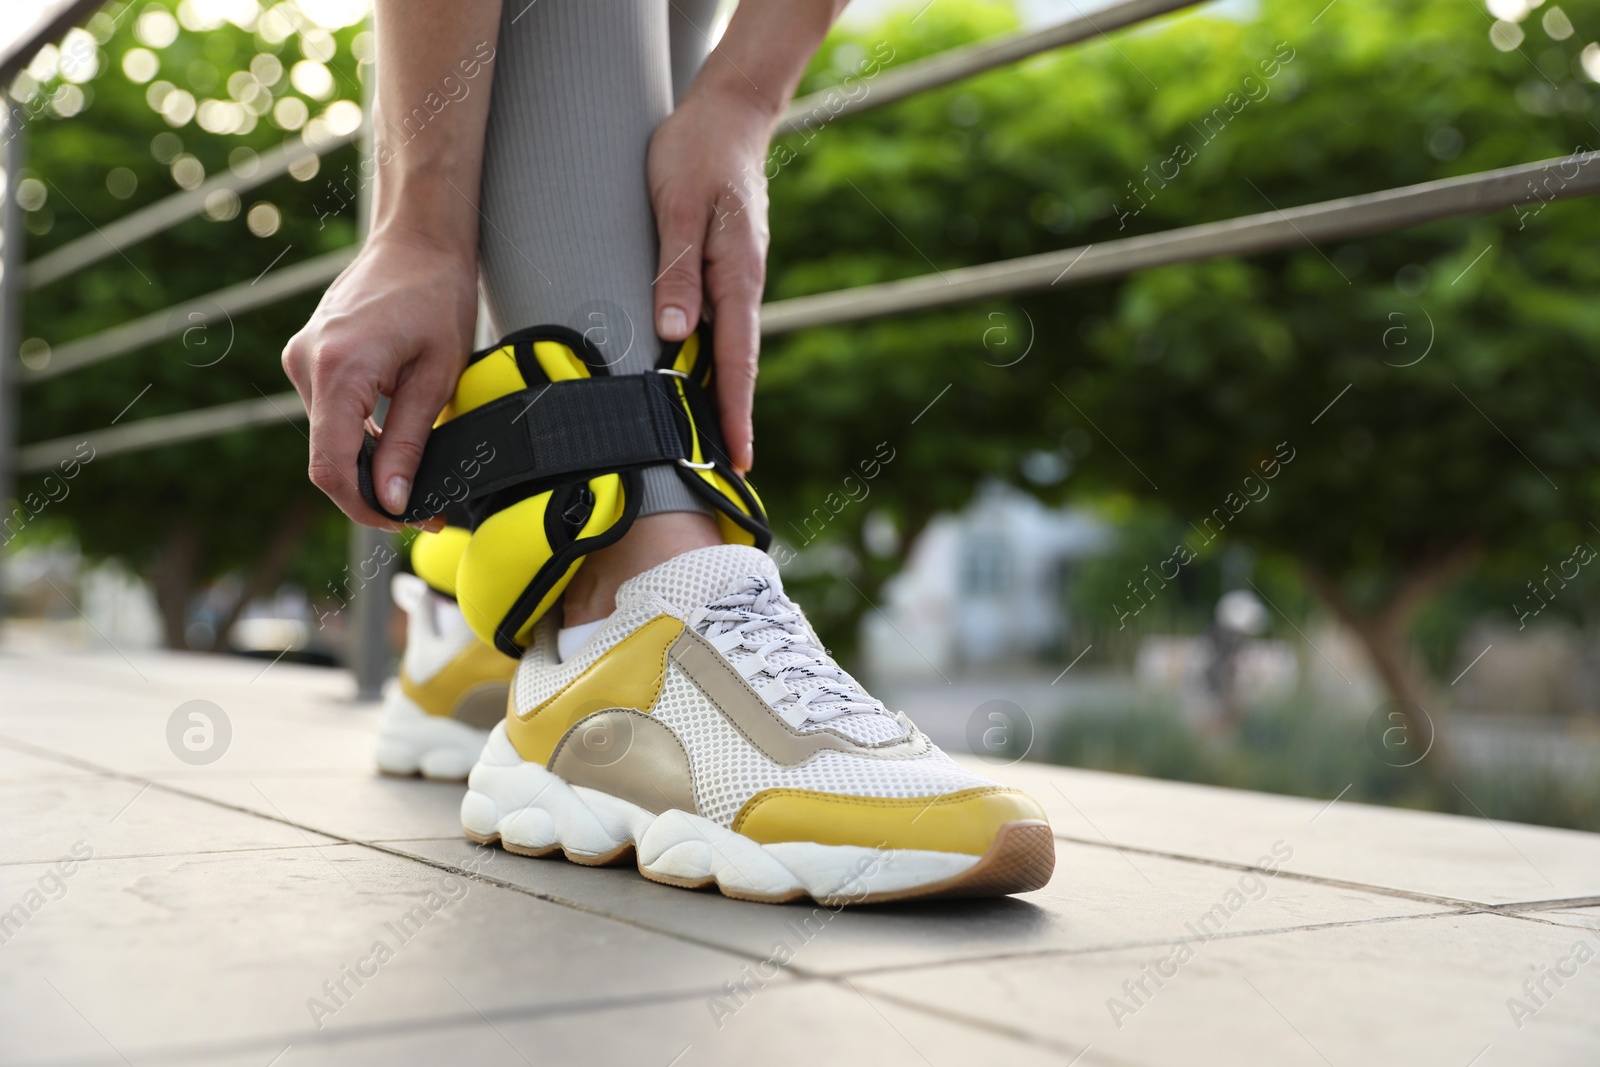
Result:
[[708, 186], [397, 323]]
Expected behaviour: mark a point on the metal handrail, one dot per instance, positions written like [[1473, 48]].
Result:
[[164, 430], [894, 84], [200, 312], [55, 21], [167, 212], [1391, 209], [1277, 229], [897, 83], [958, 64]]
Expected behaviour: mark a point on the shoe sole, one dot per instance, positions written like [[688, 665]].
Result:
[[412, 742], [530, 811]]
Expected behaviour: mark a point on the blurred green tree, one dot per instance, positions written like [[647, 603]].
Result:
[[1423, 399], [167, 105], [1171, 387]]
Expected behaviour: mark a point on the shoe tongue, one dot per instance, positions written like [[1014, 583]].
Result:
[[696, 578]]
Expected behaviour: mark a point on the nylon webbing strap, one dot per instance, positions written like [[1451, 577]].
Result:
[[589, 425]]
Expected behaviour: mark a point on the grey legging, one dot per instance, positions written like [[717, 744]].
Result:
[[568, 236]]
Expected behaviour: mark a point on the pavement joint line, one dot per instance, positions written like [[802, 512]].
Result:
[[1143, 943], [802, 974], [1537, 919], [97, 858], [947, 1014], [798, 973], [342, 839], [1547, 905], [1314, 879], [1123, 855], [376, 845], [211, 1052]]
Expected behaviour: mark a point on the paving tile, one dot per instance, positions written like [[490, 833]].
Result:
[[41, 821], [1456, 857], [166, 675], [362, 807], [799, 1023], [1097, 898], [98, 711], [197, 933], [208, 951], [1412, 992], [17, 767]]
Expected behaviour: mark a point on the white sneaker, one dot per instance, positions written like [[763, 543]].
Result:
[[704, 729], [452, 688]]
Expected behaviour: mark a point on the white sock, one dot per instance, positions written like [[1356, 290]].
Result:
[[571, 638]]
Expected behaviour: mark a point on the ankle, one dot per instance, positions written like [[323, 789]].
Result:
[[652, 540]]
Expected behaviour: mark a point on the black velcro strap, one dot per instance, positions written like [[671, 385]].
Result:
[[548, 433]]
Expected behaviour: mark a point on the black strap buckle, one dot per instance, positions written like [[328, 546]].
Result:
[[537, 437]]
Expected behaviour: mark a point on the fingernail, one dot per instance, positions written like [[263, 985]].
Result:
[[396, 492], [672, 323]]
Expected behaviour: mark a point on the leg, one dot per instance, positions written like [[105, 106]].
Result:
[[569, 236], [700, 728]]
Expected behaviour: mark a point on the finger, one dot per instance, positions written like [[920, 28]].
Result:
[[295, 360], [682, 228], [735, 281], [423, 388], [337, 411]]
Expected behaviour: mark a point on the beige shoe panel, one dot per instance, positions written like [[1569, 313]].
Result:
[[630, 755], [483, 705], [753, 717]]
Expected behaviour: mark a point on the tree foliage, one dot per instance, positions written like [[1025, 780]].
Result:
[[186, 513], [1167, 390], [1175, 385]]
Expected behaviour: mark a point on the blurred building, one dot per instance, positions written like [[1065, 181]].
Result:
[[982, 587]]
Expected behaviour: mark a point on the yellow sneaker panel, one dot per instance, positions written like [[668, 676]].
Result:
[[964, 822], [627, 675], [464, 684]]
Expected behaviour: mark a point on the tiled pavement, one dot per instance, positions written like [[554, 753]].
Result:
[[215, 902]]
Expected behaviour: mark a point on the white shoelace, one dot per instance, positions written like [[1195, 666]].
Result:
[[801, 684]]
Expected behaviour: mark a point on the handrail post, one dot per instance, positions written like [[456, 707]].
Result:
[[372, 552], [13, 127], [369, 548]]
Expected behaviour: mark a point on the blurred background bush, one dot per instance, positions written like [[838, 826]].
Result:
[[1314, 522]]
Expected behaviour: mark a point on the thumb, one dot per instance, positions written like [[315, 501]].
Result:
[[683, 230], [416, 403]]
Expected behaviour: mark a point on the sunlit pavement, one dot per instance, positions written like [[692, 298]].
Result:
[[284, 905]]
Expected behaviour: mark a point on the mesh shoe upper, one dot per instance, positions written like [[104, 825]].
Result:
[[733, 597]]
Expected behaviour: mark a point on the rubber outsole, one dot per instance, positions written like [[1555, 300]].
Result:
[[1021, 860], [411, 742], [530, 811]]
